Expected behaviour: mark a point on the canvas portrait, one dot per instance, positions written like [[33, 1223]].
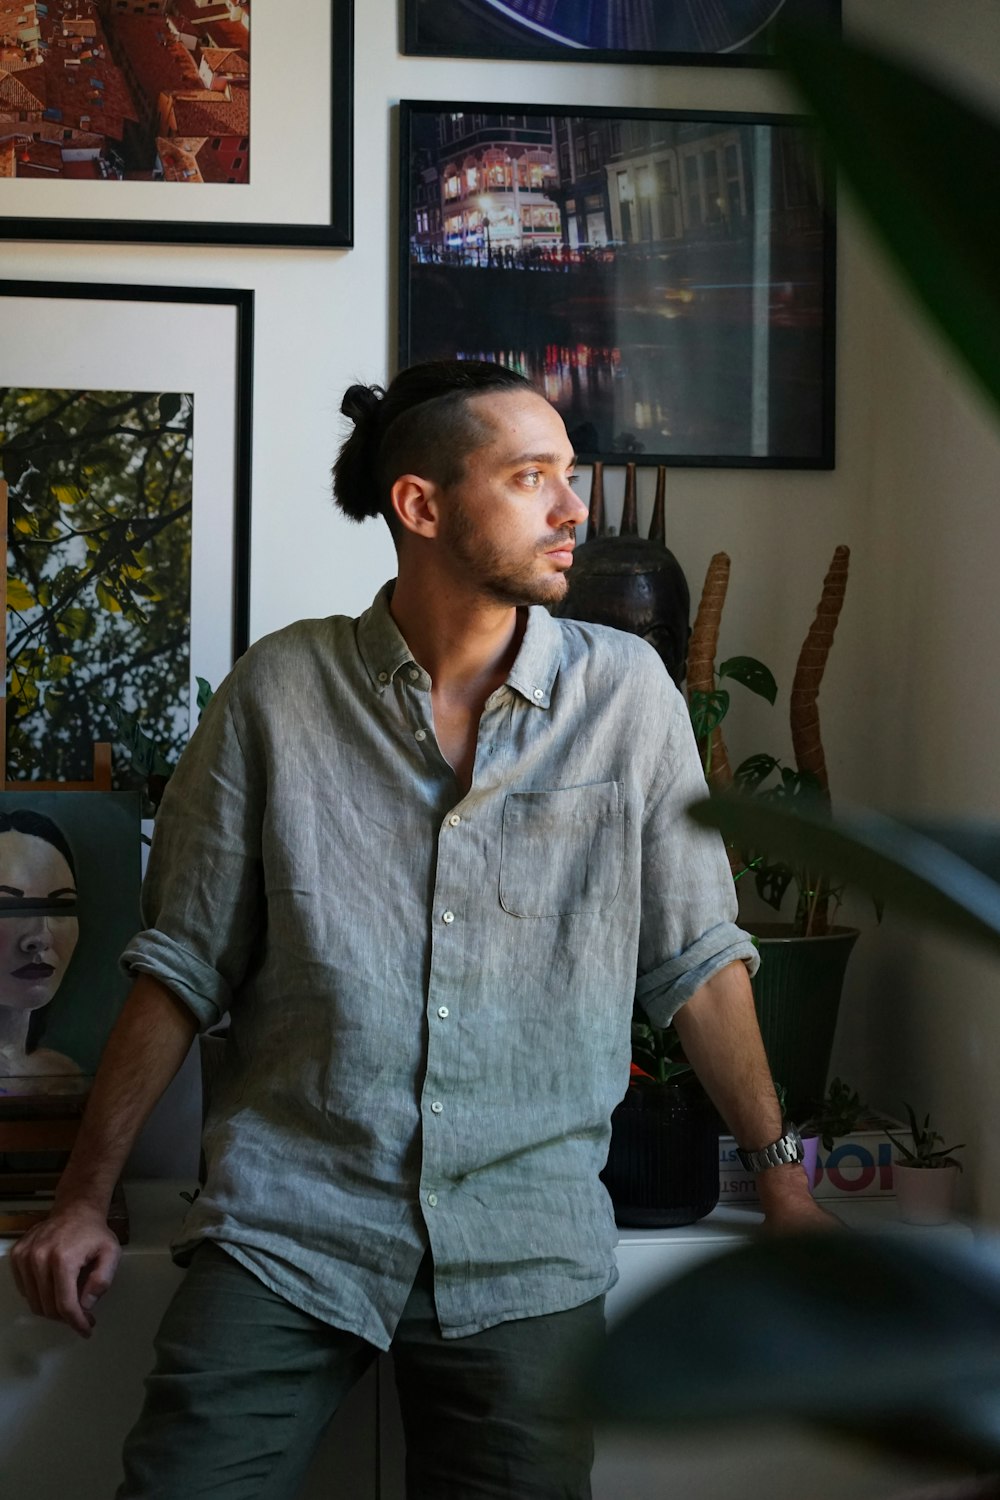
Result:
[[69, 903]]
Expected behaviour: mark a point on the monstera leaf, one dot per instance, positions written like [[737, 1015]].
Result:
[[888, 1339], [917, 160], [945, 873]]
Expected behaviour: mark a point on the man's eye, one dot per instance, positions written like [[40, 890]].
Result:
[[532, 478], [572, 478]]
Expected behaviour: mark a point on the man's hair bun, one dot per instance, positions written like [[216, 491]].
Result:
[[361, 402]]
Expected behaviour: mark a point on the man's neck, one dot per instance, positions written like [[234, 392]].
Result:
[[466, 643]]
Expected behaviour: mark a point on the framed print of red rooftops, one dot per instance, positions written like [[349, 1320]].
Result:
[[157, 121]]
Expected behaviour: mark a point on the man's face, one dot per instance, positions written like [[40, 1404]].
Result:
[[510, 522]]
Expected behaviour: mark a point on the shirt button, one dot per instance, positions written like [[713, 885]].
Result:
[[414, 674], [538, 693], [454, 820], [432, 1199], [436, 1107], [448, 916], [420, 734], [443, 1012], [383, 677]]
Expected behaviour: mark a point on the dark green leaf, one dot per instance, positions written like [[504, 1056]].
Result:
[[708, 711], [755, 769], [890, 1338], [753, 674], [911, 871], [204, 694], [920, 162], [772, 882]]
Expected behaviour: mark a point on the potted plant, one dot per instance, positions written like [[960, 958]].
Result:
[[926, 1179], [663, 1160], [803, 960]]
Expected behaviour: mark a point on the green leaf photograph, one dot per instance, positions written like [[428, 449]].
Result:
[[98, 573]]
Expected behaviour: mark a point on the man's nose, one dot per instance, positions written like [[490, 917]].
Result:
[[572, 508]]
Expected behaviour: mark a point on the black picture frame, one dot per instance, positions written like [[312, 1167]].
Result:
[[737, 34], [252, 213], [73, 337], [634, 269]]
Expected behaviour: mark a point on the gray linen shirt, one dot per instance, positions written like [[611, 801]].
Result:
[[430, 994]]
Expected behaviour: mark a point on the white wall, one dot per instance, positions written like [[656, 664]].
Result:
[[907, 712]]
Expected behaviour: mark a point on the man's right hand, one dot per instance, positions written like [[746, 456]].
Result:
[[64, 1265]]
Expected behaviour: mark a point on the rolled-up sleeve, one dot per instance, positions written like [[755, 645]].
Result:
[[688, 926], [201, 897]]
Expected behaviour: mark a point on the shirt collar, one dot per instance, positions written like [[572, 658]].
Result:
[[384, 651], [382, 648]]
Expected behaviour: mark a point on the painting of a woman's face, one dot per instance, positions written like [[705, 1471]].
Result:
[[37, 939]]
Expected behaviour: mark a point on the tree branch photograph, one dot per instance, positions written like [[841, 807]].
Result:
[[98, 572]]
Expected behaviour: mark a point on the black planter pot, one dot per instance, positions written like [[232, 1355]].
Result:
[[663, 1163], [797, 994]]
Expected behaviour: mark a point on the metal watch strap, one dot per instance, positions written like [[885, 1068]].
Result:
[[786, 1149]]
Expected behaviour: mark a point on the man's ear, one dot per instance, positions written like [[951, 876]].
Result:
[[416, 502]]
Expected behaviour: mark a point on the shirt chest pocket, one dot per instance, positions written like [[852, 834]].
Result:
[[561, 852]]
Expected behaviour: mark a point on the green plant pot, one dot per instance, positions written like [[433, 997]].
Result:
[[797, 994], [663, 1162]]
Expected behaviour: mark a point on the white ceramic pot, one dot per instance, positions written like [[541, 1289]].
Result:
[[925, 1195]]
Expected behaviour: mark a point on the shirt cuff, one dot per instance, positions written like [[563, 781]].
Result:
[[663, 991], [202, 988]]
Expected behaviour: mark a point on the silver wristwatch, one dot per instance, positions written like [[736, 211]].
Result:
[[788, 1148]]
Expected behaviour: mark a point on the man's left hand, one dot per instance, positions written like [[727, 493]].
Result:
[[788, 1205]]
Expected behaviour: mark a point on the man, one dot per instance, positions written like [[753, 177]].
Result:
[[426, 859]]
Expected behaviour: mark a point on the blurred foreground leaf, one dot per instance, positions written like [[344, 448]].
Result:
[[941, 872], [920, 162], [883, 1337]]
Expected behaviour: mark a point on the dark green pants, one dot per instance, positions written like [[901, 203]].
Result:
[[244, 1385]]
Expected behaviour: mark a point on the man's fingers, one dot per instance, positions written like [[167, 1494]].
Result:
[[61, 1268], [24, 1280], [65, 1298], [98, 1275]]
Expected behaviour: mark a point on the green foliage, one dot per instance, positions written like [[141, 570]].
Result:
[[146, 759], [204, 694], [656, 1051], [947, 874], [917, 159], [707, 712], [925, 1152], [753, 675], [838, 1114], [889, 1338], [753, 778], [99, 564]]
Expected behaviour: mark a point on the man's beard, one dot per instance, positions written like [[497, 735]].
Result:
[[498, 577]]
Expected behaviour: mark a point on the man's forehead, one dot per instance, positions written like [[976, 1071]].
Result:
[[520, 421]]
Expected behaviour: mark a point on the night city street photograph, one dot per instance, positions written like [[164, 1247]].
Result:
[[667, 280]]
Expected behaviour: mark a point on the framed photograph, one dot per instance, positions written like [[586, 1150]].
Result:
[[69, 904], [158, 121], [734, 33], [666, 278], [125, 430]]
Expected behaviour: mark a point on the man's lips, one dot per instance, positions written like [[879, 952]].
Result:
[[562, 554], [34, 971]]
